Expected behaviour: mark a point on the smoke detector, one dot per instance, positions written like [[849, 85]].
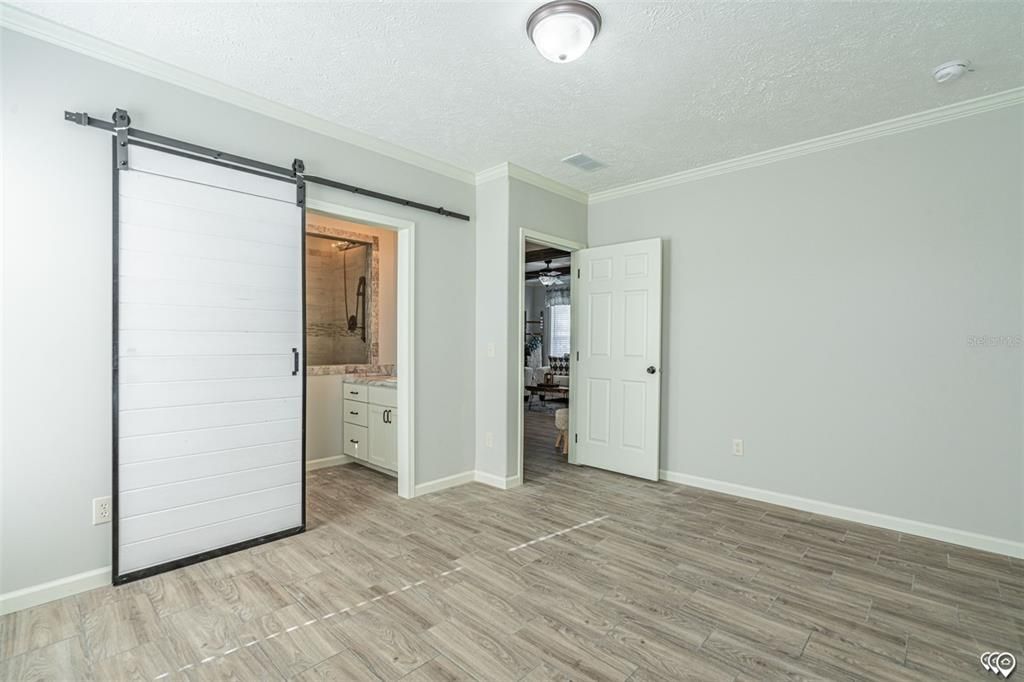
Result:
[[950, 71]]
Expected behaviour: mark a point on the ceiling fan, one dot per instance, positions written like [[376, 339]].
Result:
[[549, 277]]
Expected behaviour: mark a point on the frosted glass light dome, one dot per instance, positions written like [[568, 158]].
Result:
[[563, 30]]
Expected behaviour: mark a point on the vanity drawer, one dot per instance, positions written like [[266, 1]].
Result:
[[356, 442], [355, 413], [355, 392], [386, 396]]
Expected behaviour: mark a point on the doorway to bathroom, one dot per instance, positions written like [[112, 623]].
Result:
[[351, 324]]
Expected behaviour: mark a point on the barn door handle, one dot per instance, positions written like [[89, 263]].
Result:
[[295, 361]]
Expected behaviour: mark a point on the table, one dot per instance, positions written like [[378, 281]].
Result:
[[557, 390]]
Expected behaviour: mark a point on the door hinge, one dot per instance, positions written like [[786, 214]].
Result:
[[577, 356], [577, 273], [121, 123], [298, 168], [575, 438]]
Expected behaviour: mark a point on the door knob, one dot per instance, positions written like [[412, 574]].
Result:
[[651, 370]]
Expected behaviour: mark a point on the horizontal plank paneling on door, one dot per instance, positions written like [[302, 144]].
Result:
[[148, 526], [176, 243], [210, 413], [144, 396], [172, 495], [146, 343], [170, 166], [135, 370], [188, 467], [145, 448], [169, 419], [149, 265], [146, 316], [189, 220], [171, 547], [202, 294]]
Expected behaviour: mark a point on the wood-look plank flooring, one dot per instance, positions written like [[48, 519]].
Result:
[[676, 583]]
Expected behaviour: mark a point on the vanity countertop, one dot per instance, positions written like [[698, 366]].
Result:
[[348, 370], [381, 380]]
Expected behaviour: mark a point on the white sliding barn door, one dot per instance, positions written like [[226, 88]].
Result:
[[209, 402], [617, 306]]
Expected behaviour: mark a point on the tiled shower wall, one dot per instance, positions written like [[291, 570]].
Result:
[[332, 278]]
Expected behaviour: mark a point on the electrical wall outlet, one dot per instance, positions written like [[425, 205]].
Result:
[[489, 439], [102, 510], [737, 447]]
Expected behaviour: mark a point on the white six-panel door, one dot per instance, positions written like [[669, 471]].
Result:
[[209, 402], [617, 306]]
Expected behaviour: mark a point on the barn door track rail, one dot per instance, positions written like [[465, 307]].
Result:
[[121, 128]]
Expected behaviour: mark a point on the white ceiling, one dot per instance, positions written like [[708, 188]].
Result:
[[666, 86]]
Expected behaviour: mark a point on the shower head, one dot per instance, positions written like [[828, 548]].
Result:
[[345, 245]]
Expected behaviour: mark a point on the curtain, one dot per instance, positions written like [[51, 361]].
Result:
[[558, 295]]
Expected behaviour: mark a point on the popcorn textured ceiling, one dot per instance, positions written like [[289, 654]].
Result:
[[665, 87]]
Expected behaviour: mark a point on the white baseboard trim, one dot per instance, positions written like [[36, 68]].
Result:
[[35, 595], [446, 482], [498, 481], [928, 530], [333, 461]]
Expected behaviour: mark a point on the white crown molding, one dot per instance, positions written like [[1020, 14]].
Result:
[[955, 536], [510, 170], [494, 173], [897, 125], [29, 24]]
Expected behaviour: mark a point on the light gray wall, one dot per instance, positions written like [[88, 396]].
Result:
[[504, 205], [821, 308], [540, 210], [492, 295], [56, 430]]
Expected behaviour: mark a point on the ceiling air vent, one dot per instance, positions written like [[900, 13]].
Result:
[[584, 162]]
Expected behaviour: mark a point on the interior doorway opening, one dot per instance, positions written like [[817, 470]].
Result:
[[351, 344], [359, 328], [546, 345]]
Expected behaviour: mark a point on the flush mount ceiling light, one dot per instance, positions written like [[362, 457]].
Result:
[[563, 30], [950, 71]]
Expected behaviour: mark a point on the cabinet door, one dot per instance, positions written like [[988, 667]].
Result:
[[389, 439], [383, 437], [356, 441], [376, 418]]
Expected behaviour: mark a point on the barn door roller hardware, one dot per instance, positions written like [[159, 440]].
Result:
[[125, 135]]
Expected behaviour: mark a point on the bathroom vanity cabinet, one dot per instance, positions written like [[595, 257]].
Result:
[[370, 424]]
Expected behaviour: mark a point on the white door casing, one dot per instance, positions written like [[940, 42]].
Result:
[[209, 402], [617, 305]]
